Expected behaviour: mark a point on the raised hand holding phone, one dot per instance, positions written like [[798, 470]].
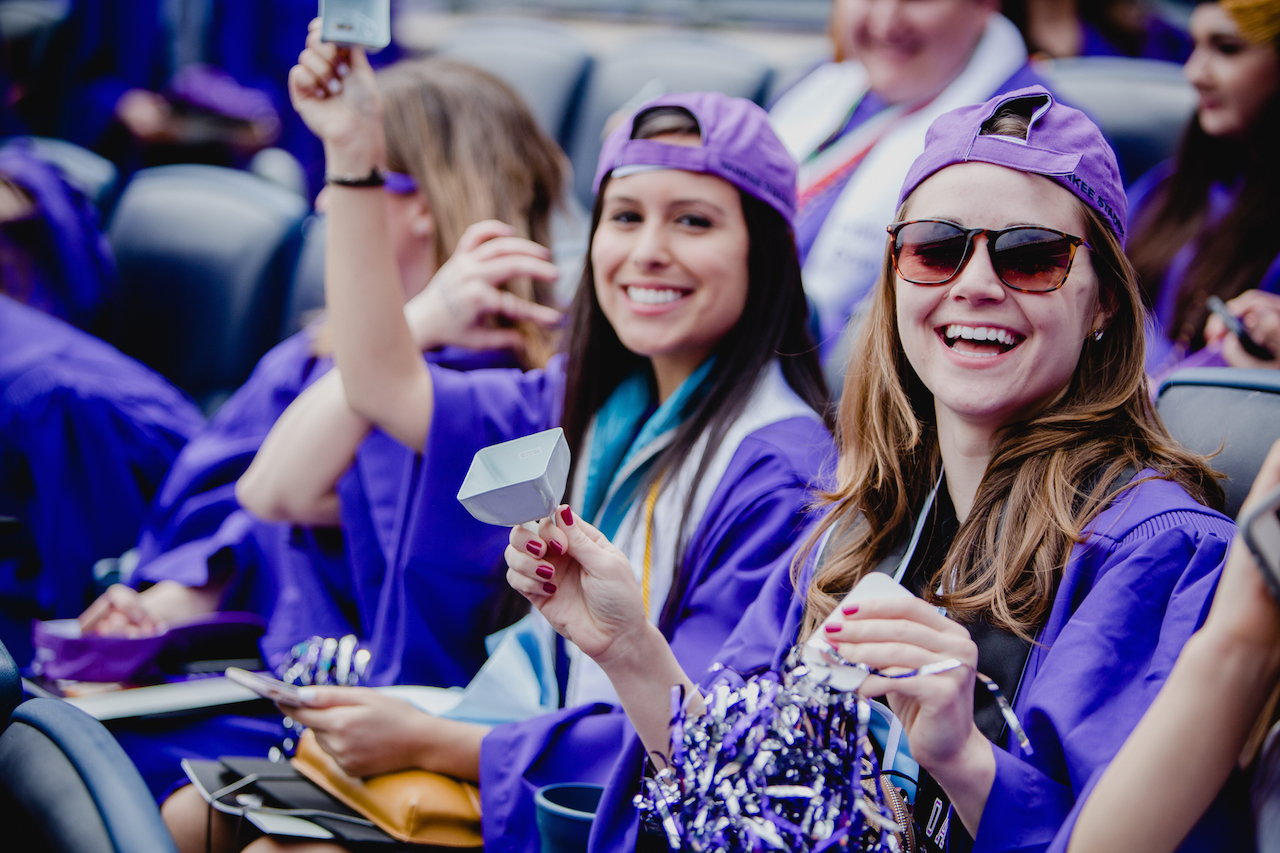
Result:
[[334, 91]]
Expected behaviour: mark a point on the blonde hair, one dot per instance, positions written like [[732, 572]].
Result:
[[1048, 475], [476, 153]]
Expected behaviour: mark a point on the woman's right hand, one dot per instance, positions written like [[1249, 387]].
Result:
[[581, 583], [122, 611], [334, 91], [464, 295], [1259, 312]]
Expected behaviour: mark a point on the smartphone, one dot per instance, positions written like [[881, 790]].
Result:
[[364, 23], [1261, 530], [1236, 328], [265, 686]]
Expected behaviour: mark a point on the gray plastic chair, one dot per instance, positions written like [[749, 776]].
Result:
[[1208, 408], [544, 62], [1142, 105], [306, 293], [206, 255], [66, 786], [675, 63]]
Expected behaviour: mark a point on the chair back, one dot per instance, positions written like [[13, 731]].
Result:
[[205, 257], [10, 686], [543, 61], [653, 66], [306, 292], [66, 786], [1235, 410], [1142, 105], [92, 174]]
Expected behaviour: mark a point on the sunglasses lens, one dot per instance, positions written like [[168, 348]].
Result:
[[1032, 258], [929, 252]]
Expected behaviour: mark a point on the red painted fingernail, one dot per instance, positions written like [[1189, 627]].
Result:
[[533, 548], [850, 610], [545, 572], [557, 547], [548, 588], [832, 627], [567, 515]]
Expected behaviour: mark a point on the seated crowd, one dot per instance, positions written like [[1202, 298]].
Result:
[[907, 321]]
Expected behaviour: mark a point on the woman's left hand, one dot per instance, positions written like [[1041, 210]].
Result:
[[899, 634], [368, 733]]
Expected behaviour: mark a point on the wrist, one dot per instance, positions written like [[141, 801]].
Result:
[[1225, 655], [634, 650], [355, 156]]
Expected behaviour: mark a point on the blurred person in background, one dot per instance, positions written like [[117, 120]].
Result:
[[462, 148], [1207, 223], [855, 125], [86, 433], [1058, 29]]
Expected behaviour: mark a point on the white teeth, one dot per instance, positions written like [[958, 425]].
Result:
[[652, 296], [980, 333]]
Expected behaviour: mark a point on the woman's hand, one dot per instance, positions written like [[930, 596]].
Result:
[[461, 301], [581, 582], [122, 611], [1259, 311], [368, 733], [334, 91], [899, 634]]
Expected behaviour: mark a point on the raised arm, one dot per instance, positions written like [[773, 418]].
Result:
[[1225, 674], [586, 589], [383, 375]]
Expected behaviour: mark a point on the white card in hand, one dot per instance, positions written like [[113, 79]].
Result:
[[817, 650]]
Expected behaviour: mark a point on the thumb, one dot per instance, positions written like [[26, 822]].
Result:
[[591, 548]]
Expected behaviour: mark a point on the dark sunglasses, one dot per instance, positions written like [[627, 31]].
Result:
[[1025, 257]]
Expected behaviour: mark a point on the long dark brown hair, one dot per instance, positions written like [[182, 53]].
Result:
[[773, 325], [1234, 253], [1048, 475]]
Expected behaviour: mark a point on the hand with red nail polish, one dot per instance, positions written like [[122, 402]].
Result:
[[595, 600]]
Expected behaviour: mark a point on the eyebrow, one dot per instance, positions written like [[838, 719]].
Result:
[[680, 202]]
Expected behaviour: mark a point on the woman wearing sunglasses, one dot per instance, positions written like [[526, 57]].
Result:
[[1207, 223], [1001, 458]]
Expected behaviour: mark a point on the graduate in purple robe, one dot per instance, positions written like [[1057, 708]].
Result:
[[1206, 223], [321, 563], [1128, 28], [690, 397], [856, 123], [52, 255], [86, 436], [1053, 531]]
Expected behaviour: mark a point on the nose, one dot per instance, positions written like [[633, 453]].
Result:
[[1196, 71], [651, 250], [977, 282], [883, 18]]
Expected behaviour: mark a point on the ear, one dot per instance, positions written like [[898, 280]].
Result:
[[422, 224]]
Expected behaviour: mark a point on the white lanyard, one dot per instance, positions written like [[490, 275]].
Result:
[[919, 529]]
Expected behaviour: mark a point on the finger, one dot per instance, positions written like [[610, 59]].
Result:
[[502, 269], [532, 589], [332, 697], [304, 85], [523, 310], [510, 245], [540, 571], [906, 608], [524, 541], [482, 232], [929, 690], [322, 69], [584, 543], [96, 613], [898, 631], [1214, 328], [888, 655]]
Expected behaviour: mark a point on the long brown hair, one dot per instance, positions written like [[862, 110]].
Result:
[[1232, 254], [476, 153], [1047, 477]]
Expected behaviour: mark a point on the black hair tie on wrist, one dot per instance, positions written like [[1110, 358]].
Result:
[[375, 178]]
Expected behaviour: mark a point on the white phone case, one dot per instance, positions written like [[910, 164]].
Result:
[[364, 23]]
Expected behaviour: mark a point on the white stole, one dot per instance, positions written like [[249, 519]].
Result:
[[846, 258], [772, 401]]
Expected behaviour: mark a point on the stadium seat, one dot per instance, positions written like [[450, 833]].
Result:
[[10, 687], [26, 26], [671, 63], [1237, 411], [92, 174], [205, 257], [306, 292], [1142, 105], [87, 796], [793, 14], [543, 61]]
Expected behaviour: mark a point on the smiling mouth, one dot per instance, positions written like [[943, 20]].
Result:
[[979, 341], [654, 295]]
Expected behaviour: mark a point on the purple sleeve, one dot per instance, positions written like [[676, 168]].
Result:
[[1124, 618]]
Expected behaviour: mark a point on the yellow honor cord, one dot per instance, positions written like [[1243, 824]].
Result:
[[650, 502]]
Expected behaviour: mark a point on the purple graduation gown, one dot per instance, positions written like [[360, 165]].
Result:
[[86, 436], [757, 512], [1130, 596], [1163, 354]]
